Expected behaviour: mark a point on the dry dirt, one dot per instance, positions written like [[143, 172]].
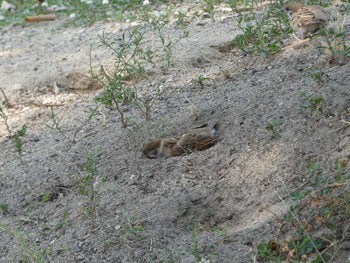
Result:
[[213, 205]]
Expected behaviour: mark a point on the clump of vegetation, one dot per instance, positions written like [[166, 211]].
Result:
[[17, 139], [317, 224], [85, 12], [56, 122], [240, 6], [183, 19], [132, 58], [274, 126], [317, 76], [86, 183], [131, 228], [129, 66], [4, 117], [263, 33], [28, 250], [334, 45], [4, 208], [313, 104], [209, 7], [200, 79]]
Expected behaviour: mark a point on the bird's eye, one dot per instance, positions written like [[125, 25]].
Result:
[[153, 154]]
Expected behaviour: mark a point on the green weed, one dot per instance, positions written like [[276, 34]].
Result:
[[240, 6], [183, 19], [56, 123], [19, 134], [334, 45], [131, 227], [56, 120], [29, 252], [263, 33], [85, 13], [317, 76], [312, 104], [132, 57], [194, 238], [200, 80], [273, 126], [315, 224], [4, 117], [86, 183], [209, 7], [17, 139], [63, 221], [159, 23], [4, 208]]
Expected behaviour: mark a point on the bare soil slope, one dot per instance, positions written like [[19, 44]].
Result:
[[210, 206]]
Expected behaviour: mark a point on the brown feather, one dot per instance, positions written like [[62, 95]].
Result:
[[306, 19], [199, 138]]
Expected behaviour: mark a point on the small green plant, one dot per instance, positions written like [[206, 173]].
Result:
[[19, 134], [131, 228], [46, 197], [63, 221], [333, 38], [167, 43], [263, 34], [334, 45], [168, 255], [273, 126], [4, 117], [131, 59], [17, 139], [209, 7], [86, 183], [55, 122], [183, 19], [194, 238], [200, 80], [239, 6], [4, 208], [313, 228], [312, 104], [317, 76], [129, 64], [86, 12], [29, 252]]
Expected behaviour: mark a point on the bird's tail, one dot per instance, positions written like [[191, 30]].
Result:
[[212, 125]]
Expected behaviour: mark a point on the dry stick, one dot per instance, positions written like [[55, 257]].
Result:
[[347, 124], [7, 102], [40, 18], [106, 73], [39, 103], [121, 113]]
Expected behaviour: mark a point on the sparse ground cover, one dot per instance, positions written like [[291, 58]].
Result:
[[81, 94]]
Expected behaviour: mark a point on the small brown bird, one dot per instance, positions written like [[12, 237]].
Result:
[[306, 19], [199, 138]]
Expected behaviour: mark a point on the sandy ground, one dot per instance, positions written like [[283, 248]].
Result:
[[209, 206]]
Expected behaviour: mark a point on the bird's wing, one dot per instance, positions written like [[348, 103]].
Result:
[[190, 142], [310, 15]]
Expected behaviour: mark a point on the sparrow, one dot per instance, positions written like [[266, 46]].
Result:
[[306, 19], [196, 139]]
